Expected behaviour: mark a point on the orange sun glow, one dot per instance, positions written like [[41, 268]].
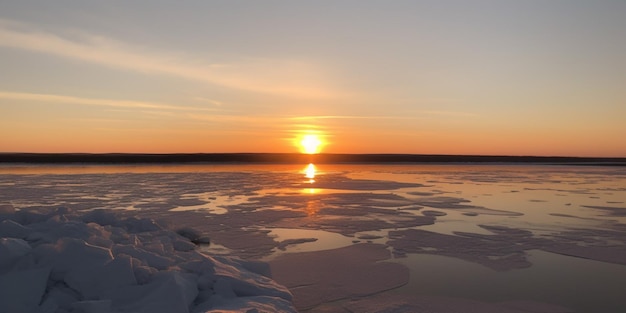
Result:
[[310, 144]]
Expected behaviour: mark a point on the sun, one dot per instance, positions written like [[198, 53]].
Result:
[[310, 144]]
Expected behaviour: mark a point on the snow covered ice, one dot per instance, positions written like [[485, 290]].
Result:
[[64, 261]]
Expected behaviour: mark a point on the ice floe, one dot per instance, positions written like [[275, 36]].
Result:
[[64, 261]]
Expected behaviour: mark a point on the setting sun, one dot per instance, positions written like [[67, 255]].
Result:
[[310, 144]]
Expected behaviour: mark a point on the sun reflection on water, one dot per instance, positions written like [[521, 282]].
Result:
[[313, 207], [311, 191], [309, 172]]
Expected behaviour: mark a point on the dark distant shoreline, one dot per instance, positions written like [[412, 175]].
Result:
[[291, 158]]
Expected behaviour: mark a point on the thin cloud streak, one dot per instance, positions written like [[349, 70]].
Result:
[[412, 116], [354, 117], [450, 113], [210, 101], [18, 96], [277, 77]]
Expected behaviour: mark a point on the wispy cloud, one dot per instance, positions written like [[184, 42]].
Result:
[[349, 117], [277, 77], [410, 116], [209, 101], [449, 113], [50, 98]]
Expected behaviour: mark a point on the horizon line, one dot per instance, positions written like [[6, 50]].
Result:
[[291, 158]]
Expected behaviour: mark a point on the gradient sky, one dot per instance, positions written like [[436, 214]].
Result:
[[499, 77]]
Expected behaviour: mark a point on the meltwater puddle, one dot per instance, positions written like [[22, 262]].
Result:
[[305, 240], [580, 284]]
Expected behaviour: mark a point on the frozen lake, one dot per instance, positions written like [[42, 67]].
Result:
[[502, 235]]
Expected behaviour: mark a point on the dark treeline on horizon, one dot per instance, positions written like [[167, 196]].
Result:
[[291, 158]]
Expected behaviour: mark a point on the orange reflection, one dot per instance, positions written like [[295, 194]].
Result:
[[309, 172], [313, 207], [311, 191]]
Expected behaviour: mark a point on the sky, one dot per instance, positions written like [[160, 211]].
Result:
[[479, 77]]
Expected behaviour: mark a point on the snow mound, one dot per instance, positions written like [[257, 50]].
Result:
[[64, 261]]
